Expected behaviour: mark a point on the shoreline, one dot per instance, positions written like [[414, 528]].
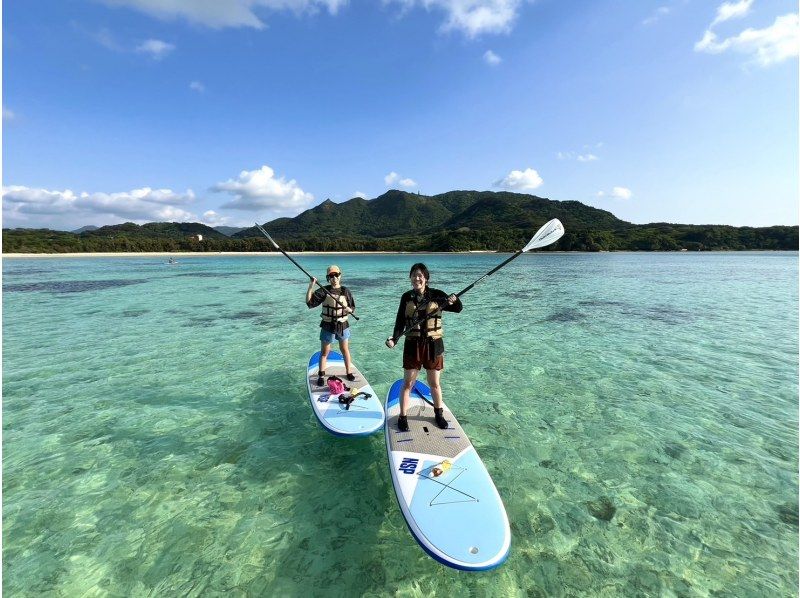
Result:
[[228, 253], [168, 254]]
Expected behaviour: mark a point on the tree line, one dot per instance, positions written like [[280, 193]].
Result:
[[649, 237]]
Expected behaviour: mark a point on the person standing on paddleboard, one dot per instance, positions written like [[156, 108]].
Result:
[[424, 345], [337, 304]]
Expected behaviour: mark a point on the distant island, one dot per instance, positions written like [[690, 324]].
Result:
[[401, 221]]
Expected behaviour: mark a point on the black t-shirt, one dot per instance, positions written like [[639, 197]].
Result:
[[319, 296], [429, 295]]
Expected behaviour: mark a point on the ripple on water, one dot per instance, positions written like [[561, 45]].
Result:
[[643, 435]]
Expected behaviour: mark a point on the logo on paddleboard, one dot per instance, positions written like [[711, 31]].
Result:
[[409, 465]]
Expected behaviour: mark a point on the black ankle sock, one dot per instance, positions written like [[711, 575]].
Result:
[[351, 377], [402, 423], [321, 378], [439, 417]]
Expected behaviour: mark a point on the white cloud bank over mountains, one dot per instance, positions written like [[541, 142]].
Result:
[[260, 191], [257, 191], [25, 206], [470, 17]]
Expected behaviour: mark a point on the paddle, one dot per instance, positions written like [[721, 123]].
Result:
[[551, 232], [421, 394], [327, 292]]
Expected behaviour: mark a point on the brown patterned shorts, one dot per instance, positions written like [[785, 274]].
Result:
[[419, 353]]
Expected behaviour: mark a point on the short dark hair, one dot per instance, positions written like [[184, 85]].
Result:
[[422, 268]]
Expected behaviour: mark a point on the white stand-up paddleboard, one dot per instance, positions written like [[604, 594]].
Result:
[[362, 417], [445, 493]]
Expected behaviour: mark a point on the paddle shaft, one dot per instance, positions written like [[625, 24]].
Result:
[[489, 273], [291, 259], [461, 292]]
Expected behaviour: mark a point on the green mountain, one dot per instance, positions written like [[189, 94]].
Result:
[[229, 231], [393, 213], [156, 230], [401, 221], [400, 213]]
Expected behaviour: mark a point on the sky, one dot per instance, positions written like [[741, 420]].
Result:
[[228, 112]]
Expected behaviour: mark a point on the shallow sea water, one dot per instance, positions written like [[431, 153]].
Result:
[[638, 413]]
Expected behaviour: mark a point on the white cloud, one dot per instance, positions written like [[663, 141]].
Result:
[[520, 180], [259, 190], [587, 157], [392, 178], [197, 86], [25, 204], [156, 48], [767, 46], [219, 14], [105, 38], [8, 114], [732, 10], [211, 218], [360, 194], [659, 12], [471, 17], [621, 193], [491, 58]]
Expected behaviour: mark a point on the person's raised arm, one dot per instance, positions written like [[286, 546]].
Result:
[[313, 298]]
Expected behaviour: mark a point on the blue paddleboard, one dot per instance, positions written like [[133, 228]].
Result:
[[443, 488], [362, 417]]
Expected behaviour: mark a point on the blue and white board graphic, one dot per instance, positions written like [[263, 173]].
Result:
[[445, 493], [365, 415]]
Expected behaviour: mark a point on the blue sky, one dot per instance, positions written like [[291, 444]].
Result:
[[233, 111]]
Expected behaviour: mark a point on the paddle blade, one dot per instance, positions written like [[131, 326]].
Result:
[[547, 235]]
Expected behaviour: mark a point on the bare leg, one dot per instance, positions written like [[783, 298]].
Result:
[[436, 387], [323, 356], [344, 347], [409, 378]]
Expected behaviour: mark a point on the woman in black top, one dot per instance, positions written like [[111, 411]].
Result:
[[424, 345]]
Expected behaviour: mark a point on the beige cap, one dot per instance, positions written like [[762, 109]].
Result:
[[334, 268]]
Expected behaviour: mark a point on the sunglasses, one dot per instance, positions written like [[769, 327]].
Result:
[[333, 275]]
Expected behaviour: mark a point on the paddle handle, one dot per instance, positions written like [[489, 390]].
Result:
[[461, 292], [291, 259]]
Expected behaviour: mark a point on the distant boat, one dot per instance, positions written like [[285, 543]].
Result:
[[172, 261]]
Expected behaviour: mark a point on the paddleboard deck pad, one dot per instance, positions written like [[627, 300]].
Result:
[[445, 493], [364, 415]]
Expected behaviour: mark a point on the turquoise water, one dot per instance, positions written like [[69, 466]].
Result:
[[638, 413]]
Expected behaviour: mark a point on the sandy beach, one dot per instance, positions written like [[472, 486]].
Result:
[[219, 253], [189, 254]]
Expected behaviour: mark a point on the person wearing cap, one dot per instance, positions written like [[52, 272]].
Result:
[[337, 304]]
